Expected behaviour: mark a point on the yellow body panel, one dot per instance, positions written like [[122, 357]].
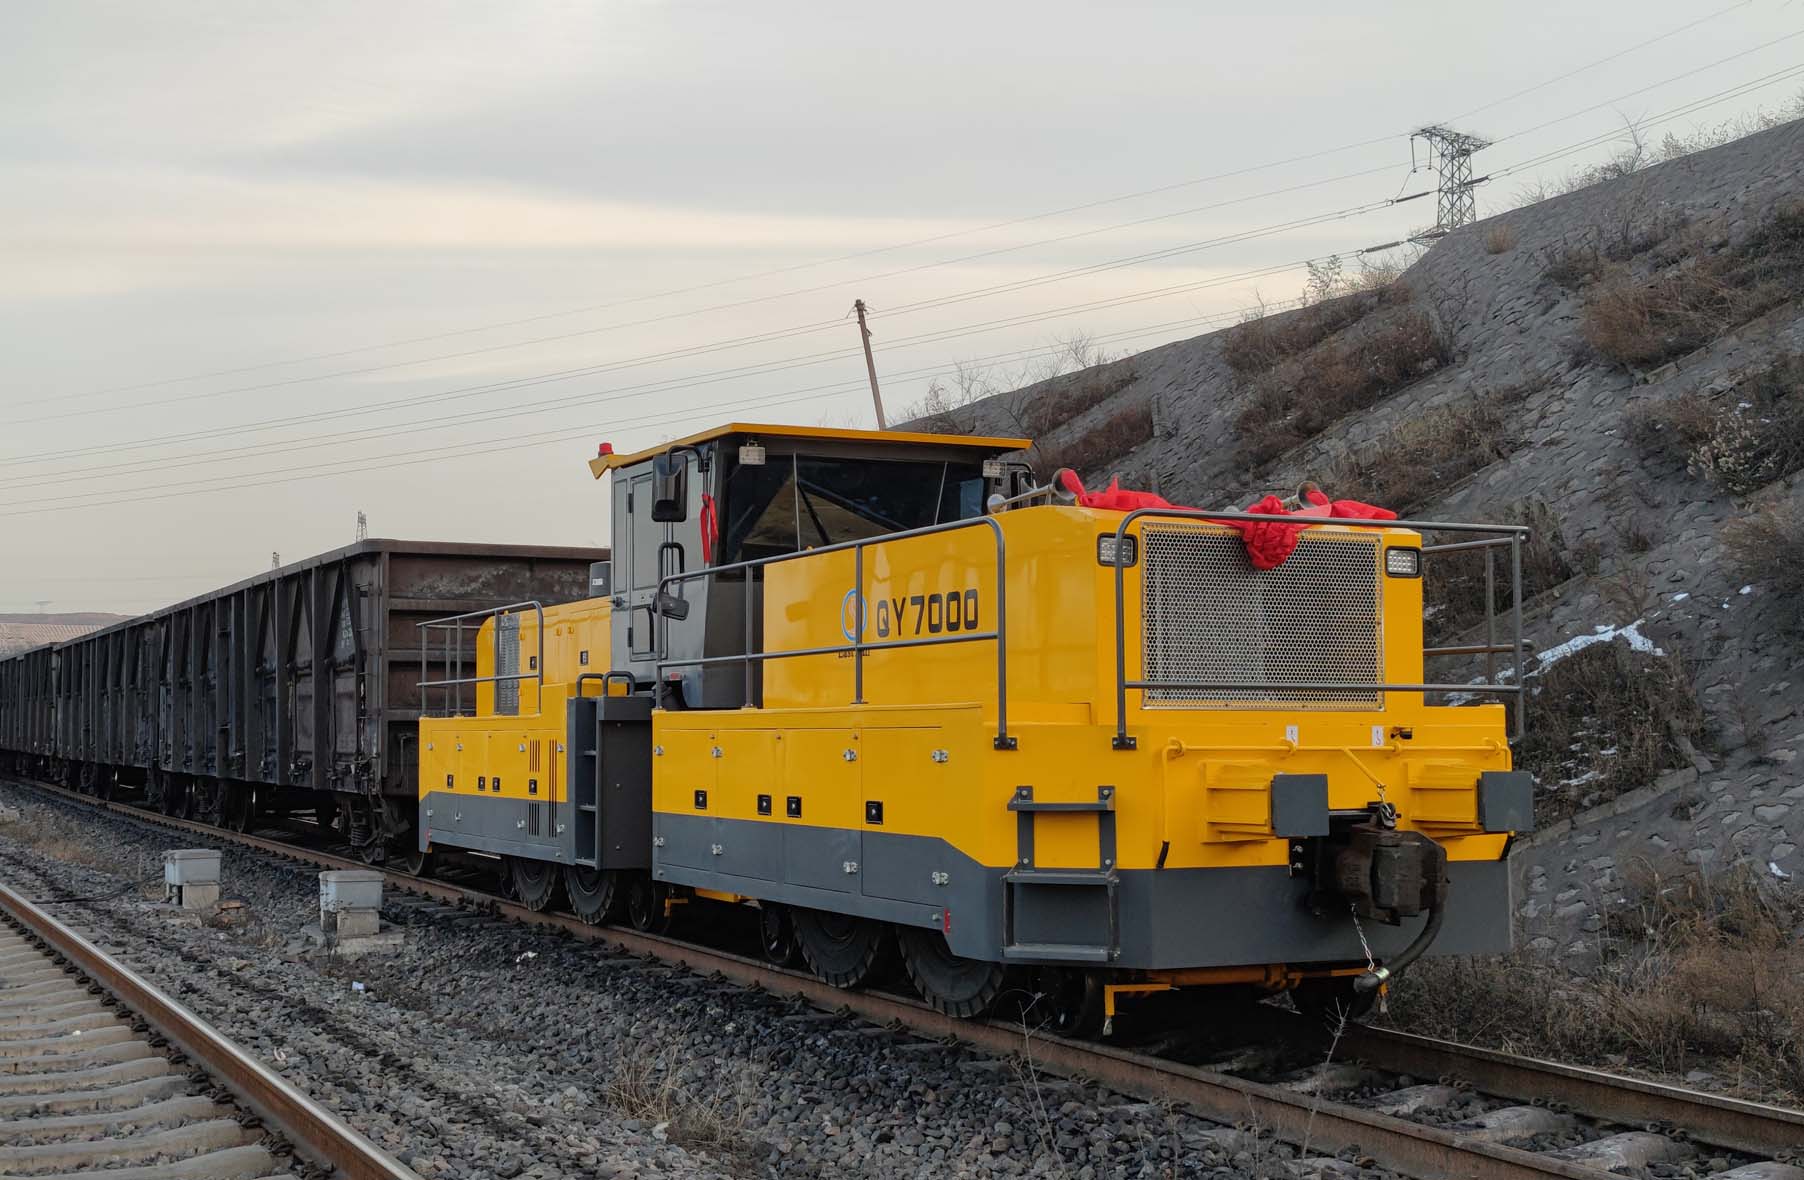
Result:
[[524, 752], [1193, 793]]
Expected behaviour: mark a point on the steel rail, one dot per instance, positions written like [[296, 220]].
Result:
[[1752, 1127], [315, 1132], [1413, 1149]]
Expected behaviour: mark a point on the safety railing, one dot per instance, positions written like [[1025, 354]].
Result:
[[451, 655], [1496, 535], [856, 644]]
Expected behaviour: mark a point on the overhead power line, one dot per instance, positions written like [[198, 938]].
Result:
[[411, 401], [1679, 112], [519, 442], [823, 325], [1640, 90], [597, 397]]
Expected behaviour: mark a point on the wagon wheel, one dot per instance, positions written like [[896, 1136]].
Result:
[[239, 807], [596, 895], [843, 950], [410, 858], [535, 881], [647, 904], [950, 983], [777, 936], [213, 803], [1067, 1001]]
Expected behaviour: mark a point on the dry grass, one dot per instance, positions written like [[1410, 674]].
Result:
[[1695, 972], [1500, 238], [1263, 341], [1454, 583], [650, 1088], [1574, 266], [1640, 322], [1767, 549], [1605, 720], [1416, 463], [1672, 428], [56, 836], [1751, 437], [1097, 444], [1299, 399], [1067, 397]]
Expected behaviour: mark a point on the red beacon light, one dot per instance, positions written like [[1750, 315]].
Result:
[[604, 450]]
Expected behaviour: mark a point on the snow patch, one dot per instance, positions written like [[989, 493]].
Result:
[[1630, 634]]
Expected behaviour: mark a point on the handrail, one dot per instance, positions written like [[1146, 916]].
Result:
[[453, 626], [999, 634], [606, 679], [1513, 536]]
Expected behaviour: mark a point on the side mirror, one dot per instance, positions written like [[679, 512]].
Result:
[[669, 488]]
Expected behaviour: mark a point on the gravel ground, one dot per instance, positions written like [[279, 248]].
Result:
[[486, 1049]]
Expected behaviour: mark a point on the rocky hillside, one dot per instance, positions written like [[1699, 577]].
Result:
[[1619, 367]]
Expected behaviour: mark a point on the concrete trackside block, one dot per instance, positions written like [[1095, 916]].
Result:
[[348, 889], [350, 913], [191, 877]]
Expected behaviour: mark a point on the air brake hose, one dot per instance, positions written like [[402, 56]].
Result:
[[1377, 977]]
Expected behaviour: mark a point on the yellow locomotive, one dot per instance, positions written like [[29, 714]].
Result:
[[890, 693]]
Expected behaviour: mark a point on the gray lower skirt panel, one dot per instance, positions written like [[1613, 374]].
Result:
[[510, 827], [1167, 918]]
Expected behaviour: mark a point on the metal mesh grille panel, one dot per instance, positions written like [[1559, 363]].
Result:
[[507, 662], [1210, 617]]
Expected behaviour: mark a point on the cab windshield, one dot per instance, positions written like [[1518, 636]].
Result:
[[798, 502]]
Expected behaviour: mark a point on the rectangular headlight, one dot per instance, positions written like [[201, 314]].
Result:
[[1403, 563], [1106, 552]]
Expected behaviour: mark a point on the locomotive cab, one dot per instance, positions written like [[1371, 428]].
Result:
[[747, 494]]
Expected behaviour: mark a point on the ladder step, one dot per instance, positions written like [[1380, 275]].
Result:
[[588, 807], [1093, 877], [1051, 952]]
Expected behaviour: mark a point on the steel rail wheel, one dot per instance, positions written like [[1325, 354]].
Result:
[[647, 904]]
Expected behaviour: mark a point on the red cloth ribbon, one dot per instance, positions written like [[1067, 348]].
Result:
[[1267, 545], [710, 526]]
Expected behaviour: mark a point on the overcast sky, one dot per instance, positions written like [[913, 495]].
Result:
[[263, 265]]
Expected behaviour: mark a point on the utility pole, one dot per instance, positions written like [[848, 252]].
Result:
[[363, 525], [870, 365], [1450, 154]]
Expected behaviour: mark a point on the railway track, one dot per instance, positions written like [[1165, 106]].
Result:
[[102, 1074], [1369, 1098]]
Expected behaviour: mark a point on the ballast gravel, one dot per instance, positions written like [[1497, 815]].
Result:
[[488, 1049]]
